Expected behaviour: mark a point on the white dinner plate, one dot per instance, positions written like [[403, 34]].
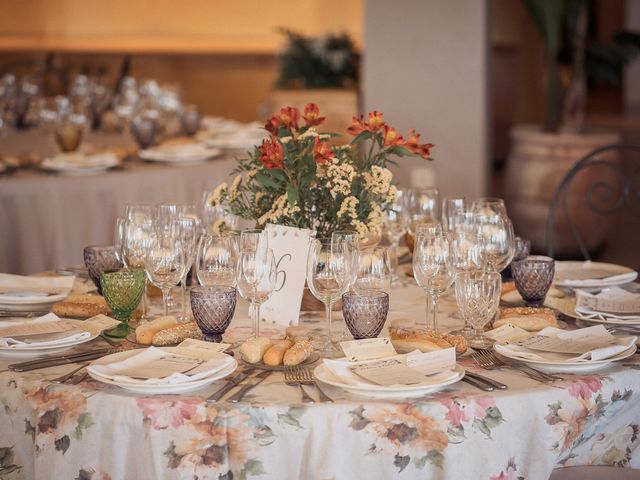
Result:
[[78, 164], [190, 154], [36, 350], [243, 143], [157, 389], [567, 367], [30, 300], [575, 274], [432, 383]]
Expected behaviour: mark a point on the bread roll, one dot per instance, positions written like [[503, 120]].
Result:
[[298, 333], [252, 350], [458, 342], [274, 355], [406, 346], [426, 335], [527, 318], [81, 306], [298, 353], [173, 335], [146, 331]]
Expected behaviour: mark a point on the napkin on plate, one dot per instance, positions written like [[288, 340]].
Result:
[[522, 353], [41, 340], [20, 286], [150, 355], [587, 275], [611, 304]]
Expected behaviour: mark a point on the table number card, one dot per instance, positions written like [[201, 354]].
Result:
[[290, 247]]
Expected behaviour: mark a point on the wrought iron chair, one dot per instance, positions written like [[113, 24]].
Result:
[[604, 194]]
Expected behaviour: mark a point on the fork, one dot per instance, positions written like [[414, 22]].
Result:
[[489, 361], [67, 376], [293, 377], [307, 379]]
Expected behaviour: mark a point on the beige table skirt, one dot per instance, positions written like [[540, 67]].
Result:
[[46, 220]]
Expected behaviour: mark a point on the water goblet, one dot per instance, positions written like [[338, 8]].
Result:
[[365, 315], [533, 276], [98, 259], [190, 118], [122, 291], [144, 129], [213, 308], [68, 133], [478, 297]]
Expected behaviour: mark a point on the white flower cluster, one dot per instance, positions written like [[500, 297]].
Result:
[[340, 177], [218, 194], [348, 208], [375, 219], [281, 209], [285, 140], [233, 189], [378, 181], [218, 227], [311, 132]]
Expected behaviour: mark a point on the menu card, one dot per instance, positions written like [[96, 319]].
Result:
[[575, 341], [35, 328], [507, 333], [161, 367], [388, 372], [367, 349], [200, 349], [96, 324], [429, 363], [612, 300]]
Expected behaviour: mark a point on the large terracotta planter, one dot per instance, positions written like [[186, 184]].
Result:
[[537, 163]]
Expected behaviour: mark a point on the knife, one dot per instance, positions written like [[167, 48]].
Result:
[[236, 397], [487, 380], [482, 386], [229, 385], [63, 360]]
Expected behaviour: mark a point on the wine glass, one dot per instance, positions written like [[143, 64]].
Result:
[[118, 238], [489, 205], [216, 261], [351, 243], [497, 236], [256, 276], [425, 206], [122, 291], [189, 234], [328, 278], [165, 260], [140, 212], [450, 208], [373, 272], [396, 223], [215, 215], [431, 268], [478, 297]]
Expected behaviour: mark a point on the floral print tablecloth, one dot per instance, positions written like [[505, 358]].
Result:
[[94, 431]]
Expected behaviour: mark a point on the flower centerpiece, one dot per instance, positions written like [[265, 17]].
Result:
[[298, 178]]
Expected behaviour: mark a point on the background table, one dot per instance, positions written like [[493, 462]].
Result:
[[100, 432], [46, 220]]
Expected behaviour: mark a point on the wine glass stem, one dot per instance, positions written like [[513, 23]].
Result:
[[394, 256], [165, 300], [183, 292], [256, 318], [432, 311], [144, 302], [329, 310]]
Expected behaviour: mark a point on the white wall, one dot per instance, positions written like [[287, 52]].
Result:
[[426, 66]]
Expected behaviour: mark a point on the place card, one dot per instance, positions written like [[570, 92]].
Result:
[[576, 341], [388, 372], [290, 248], [611, 300], [35, 328], [200, 349], [96, 324], [368, 349], [161, 367], [429, 363], [508, 333]]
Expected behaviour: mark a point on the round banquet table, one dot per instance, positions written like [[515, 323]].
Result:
[[96, 431], [46, 220]]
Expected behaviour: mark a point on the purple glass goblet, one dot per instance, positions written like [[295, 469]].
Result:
[[365, 314], [99, 259], [213, 308], [533, 276]]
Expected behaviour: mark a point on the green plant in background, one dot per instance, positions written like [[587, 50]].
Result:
[[574, 59], [329, 61]]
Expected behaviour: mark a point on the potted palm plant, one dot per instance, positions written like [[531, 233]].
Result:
[[541, 155]]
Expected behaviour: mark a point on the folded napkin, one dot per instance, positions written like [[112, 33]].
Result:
[[20, 286], [147, 357], [514, 350], [40, 340], [587, 275], [611, 304]]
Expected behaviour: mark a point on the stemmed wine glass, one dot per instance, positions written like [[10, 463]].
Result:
[[216, 261], [478, 297], [351, 244], [256, 274], [396, 223], [328, 278], [165, 260], [425, 207], [451, 206], [189, 233], [488, 206], [373, 272], [497, 236], [136, 234], [431, 267]]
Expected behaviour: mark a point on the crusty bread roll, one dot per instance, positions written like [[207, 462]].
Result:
[[406, 346], [146, 331], [527, 318], [81, 306], [253, 349], [423, 339], [298, 332], [173, 335], [458, 342], [275, 353], [298, 353]]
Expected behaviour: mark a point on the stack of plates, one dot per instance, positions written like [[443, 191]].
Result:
[[79, 163], [106, 370], [592, 275], [180, 153], [25, 294]]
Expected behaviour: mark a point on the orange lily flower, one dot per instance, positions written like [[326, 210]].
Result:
[[357, 125], [312, 115], [413, 145], [272, 154], [375, 121], [272, 125], [322, 152], [289, 117], [390, 137]]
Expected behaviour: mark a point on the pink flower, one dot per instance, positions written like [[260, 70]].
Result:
[[584, 387], [481, 406], [455, 414], [510, 474], [164, 413]]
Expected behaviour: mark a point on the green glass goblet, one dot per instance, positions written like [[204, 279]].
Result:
[[123, 291]]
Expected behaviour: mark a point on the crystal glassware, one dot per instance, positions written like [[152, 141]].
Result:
[[190, 118], [489, 205], [215, 216], [98, 259], [351, 243], [69, 131], [497, 239], [122, 291], [373, 272], [478, 297], [396, 222], [189, 233], [424, 207], [216, 261], [533, 276], [144, 129], [365, 314], [213, 308], [432, 269], [327, 278], [522, 248], [450, 208]]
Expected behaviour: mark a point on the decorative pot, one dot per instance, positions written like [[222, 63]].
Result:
[[538, 162]]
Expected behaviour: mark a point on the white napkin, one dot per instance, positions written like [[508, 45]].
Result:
[[523, 353], [20, 286], [69, 337], [582, 278], [152, 354], [611, 304]]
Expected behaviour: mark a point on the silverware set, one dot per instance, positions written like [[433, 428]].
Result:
[[488, 360], [298, 376], [54, 361]]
